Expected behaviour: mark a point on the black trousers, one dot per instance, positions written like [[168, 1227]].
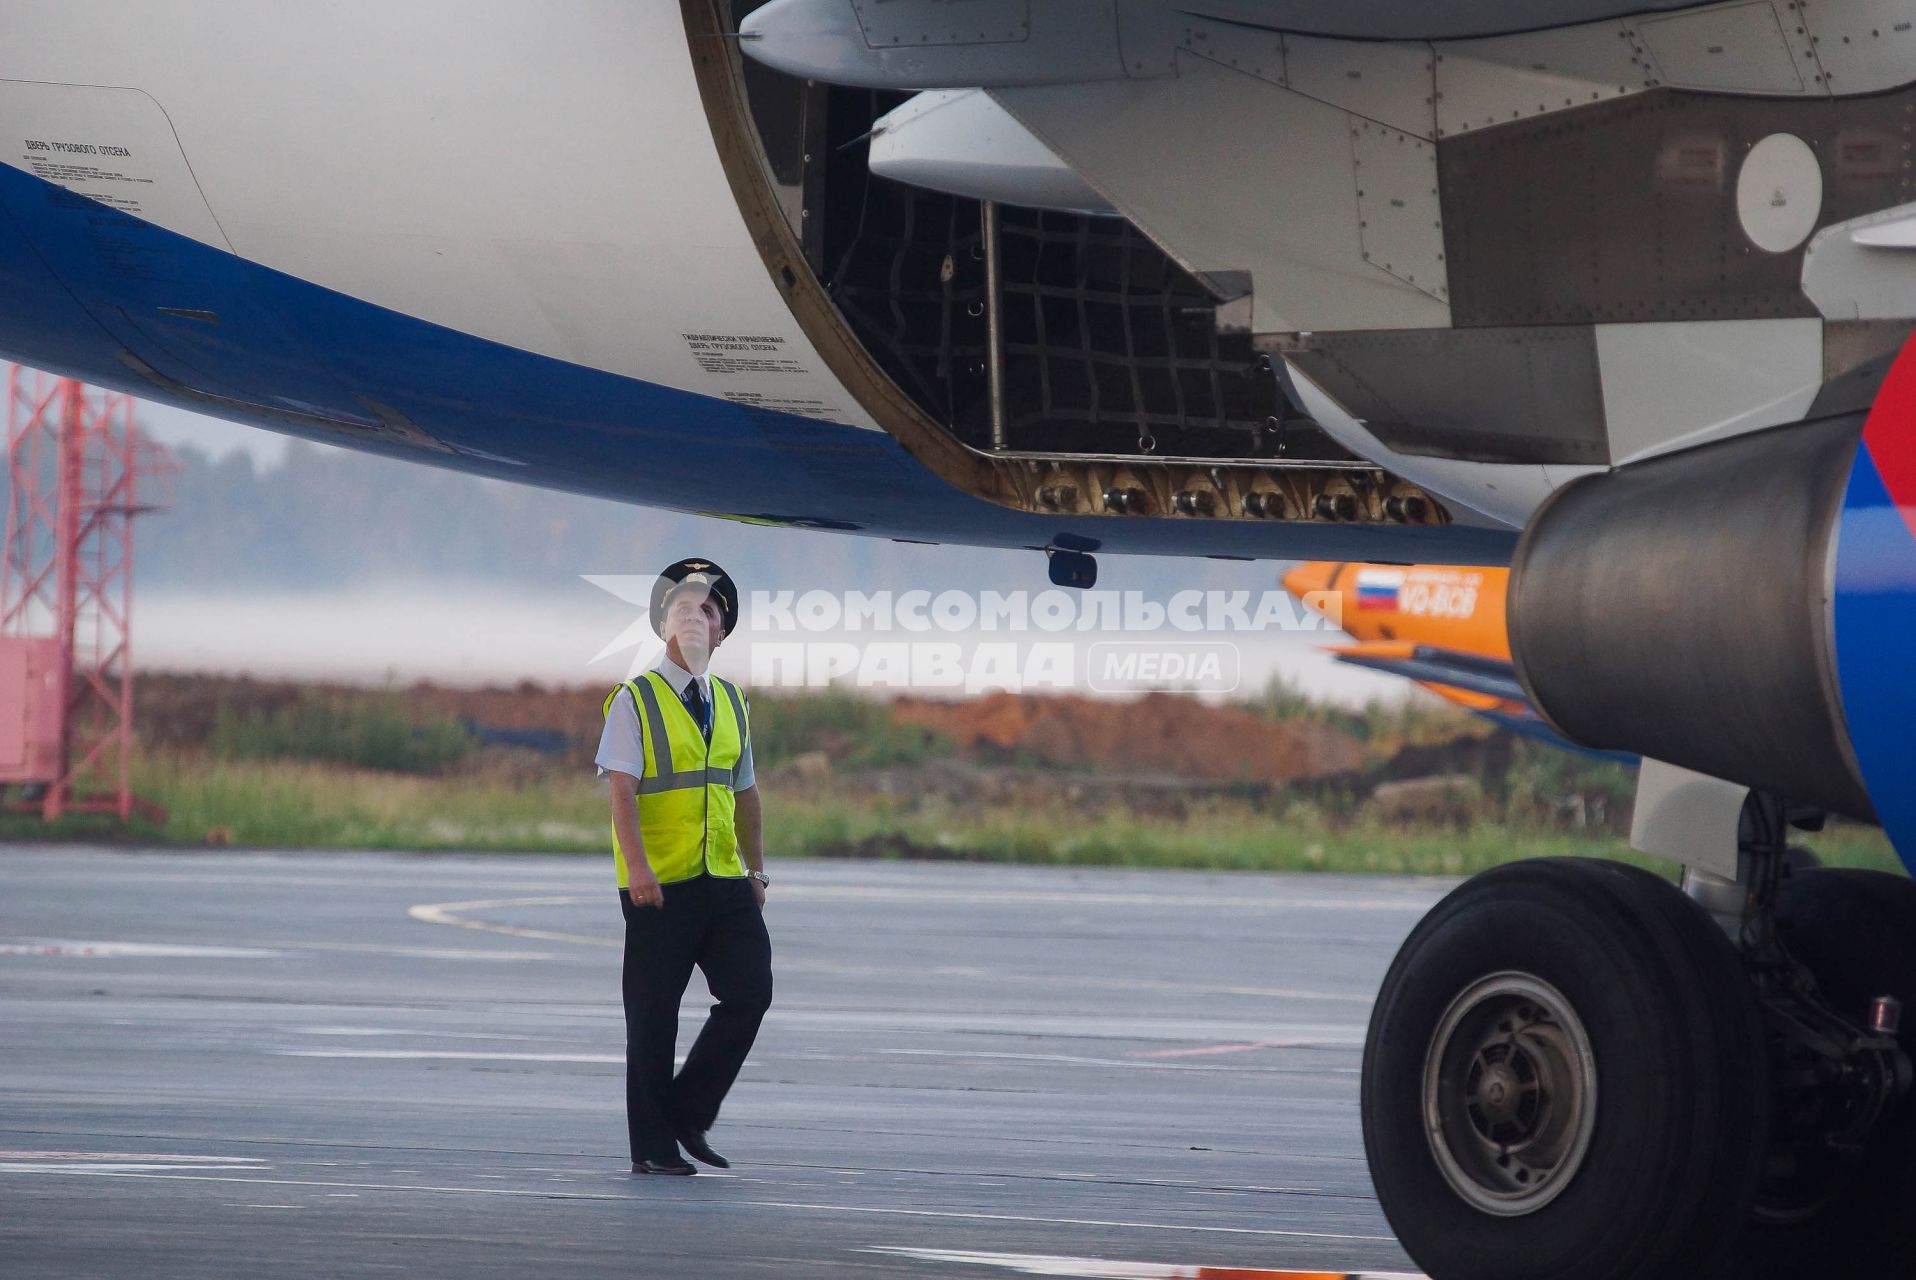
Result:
[[716, 925]]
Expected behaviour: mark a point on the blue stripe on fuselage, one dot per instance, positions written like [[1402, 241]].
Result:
[[1875, 620], [82, 293]]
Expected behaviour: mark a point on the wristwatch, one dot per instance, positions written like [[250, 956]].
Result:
[[761, 877]]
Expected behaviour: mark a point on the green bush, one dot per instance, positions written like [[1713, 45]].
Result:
[[1541, 777], [1284, 698], [857, 732], [371, 732], [1411, 716]]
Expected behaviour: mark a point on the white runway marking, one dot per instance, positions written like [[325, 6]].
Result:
[[124, 1155], [1066, 1222], [117, 1162], [452, 1055], [141, 950], [546, 1193], [410, 1031], [1152, 1027], [1036, 1264], [453, 914], [422, 953], [447, 913], [1213, 1050], [1050, 980], [91, 950], [1026, 898], [1075, 1060]]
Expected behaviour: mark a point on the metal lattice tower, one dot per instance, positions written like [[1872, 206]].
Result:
[[78, 472]]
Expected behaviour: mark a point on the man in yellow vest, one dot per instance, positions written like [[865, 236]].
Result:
[[686, 824]]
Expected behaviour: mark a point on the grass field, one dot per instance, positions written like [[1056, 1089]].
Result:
[[512, 806]]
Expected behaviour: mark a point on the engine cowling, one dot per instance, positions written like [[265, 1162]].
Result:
[[1681, 608]]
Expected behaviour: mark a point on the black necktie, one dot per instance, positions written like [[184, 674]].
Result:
[[695, 703]]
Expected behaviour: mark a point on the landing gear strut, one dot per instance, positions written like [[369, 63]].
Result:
[[1838, 1192], [1575, 1069]]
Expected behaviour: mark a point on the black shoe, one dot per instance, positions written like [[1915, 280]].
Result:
[[693, 1140], [674, 1167]]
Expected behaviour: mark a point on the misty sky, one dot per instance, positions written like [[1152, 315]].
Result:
[[476, 629], [173, 426]]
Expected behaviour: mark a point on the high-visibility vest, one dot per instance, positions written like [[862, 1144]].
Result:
[[686, 799]]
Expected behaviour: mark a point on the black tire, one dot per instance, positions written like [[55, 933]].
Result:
[[1676, 1140], [1856, 931]]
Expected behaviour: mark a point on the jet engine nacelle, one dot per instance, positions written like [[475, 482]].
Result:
[[1682, 609]]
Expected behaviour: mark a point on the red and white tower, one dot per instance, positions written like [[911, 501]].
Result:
[[78, 473]]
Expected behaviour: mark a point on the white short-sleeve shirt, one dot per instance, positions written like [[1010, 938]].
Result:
[[621, 746]]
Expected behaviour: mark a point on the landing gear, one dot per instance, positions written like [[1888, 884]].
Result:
[[1543, 1096], [1839, 1195], [1576, 1070]]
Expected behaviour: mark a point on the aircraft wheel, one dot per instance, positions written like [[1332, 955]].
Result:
[[1856, 931], [1565, 1077]]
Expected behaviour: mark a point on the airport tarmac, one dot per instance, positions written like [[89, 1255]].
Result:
[[310, 1065]]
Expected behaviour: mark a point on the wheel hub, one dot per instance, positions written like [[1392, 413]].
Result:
[[1510, 1093]]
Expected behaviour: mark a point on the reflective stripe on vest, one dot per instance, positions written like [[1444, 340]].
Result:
[[687, 806]]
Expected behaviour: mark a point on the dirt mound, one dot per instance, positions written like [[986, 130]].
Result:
[[574, 712], [1161, 734], [180, 709]]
